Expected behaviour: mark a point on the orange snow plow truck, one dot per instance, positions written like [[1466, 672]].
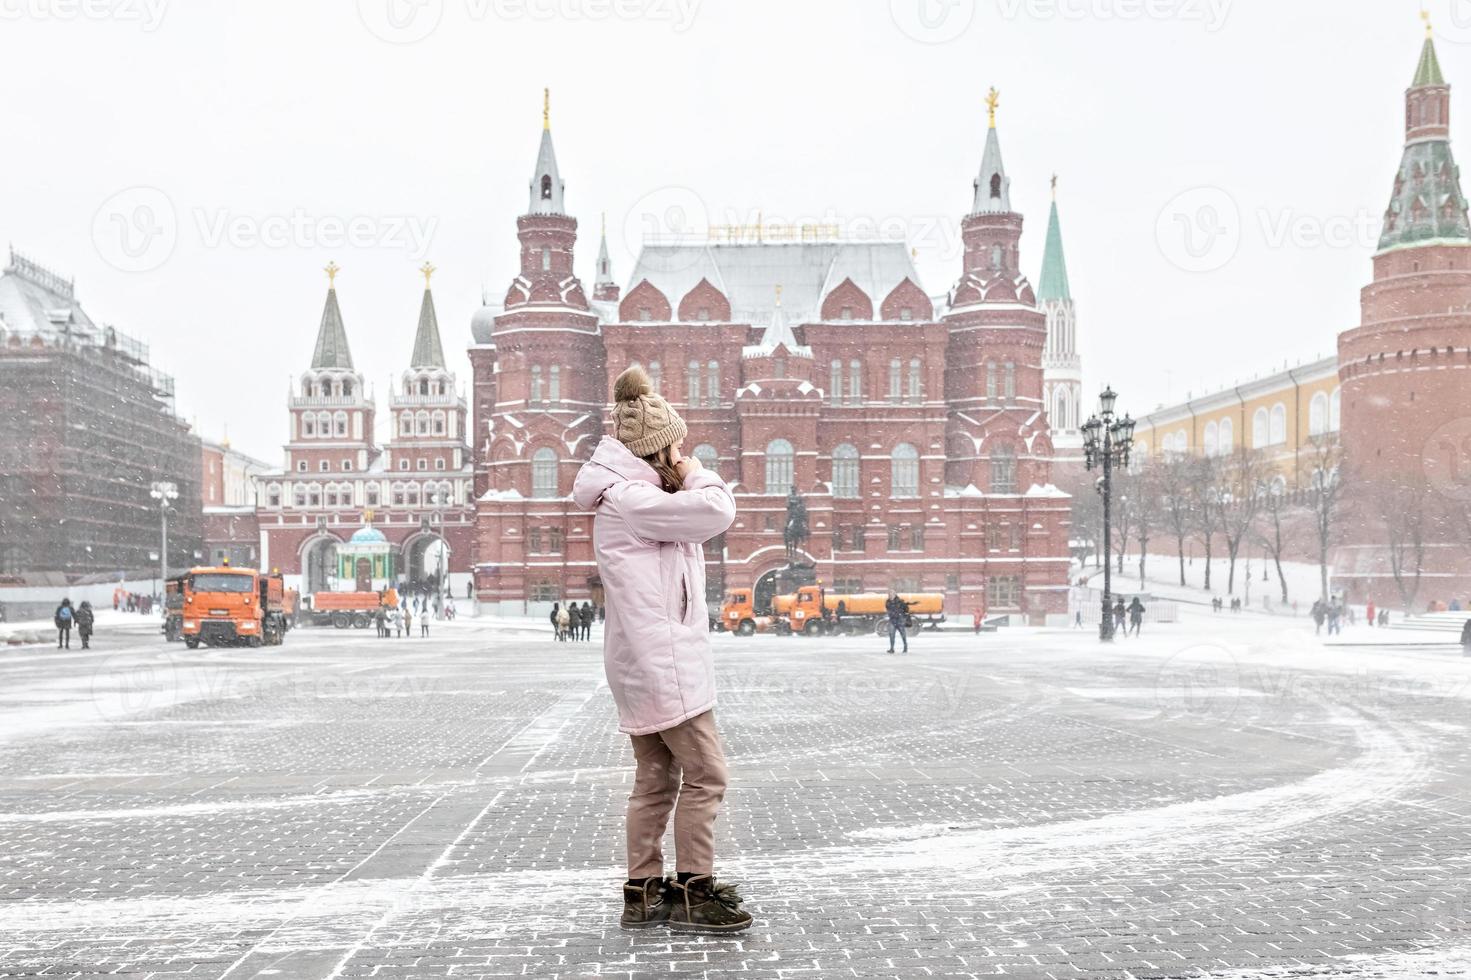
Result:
[[813, 611], [225, 606]]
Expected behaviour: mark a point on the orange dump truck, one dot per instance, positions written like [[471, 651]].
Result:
[[814, 611], [357, 610], [224, 605]]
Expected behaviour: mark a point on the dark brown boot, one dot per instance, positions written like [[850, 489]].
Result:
[[701, 905], [645, 906]]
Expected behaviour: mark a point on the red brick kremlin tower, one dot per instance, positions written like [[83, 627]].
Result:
[[1406, 372]]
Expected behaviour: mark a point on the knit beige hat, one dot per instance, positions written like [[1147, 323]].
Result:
[[642, 420]]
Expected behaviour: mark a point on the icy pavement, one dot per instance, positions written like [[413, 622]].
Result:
[[1225, 797]]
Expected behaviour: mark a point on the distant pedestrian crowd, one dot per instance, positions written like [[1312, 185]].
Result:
[[574, 622]]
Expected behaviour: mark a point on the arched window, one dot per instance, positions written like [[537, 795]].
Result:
[[1318, 415], [996, 188], [894, 379], [546, 187], [421, 422], [1003, 469], [707, 455], [537, 391], [1335, 409], [438, 419], [339, 423], [412, 494], [406, 424], [914, 379], [1059, 411], [346, 389], [855, 382], [712, 385], [693, 380], [544, 473], [308, 425], [995, 249], [1227, 438], [904, 471], [835, 383], [845, 471], [1209, 439], [1008, 387], [656, 376], [1260, 432], [1182, 441], [990, 381], [423, 386], [1279, 424], [779, 456], [554, 385], [306, 388]]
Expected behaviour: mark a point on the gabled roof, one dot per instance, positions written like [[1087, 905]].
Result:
[[331, 350], [428, 351], [746, 273]]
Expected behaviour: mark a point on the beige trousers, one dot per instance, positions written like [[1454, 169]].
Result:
[[685, 763]]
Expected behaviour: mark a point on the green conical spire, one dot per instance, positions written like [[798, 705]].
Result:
[[428, 352], [1427, 72], [331, 350], [1053, 284]]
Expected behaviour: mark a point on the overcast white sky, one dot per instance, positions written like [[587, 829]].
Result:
[[1267, 132]]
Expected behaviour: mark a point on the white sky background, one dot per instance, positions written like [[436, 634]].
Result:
[[1291, 112]]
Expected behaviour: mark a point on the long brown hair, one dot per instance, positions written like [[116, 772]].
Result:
[[629, 385]]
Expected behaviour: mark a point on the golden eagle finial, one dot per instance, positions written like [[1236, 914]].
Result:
[[993, 99]]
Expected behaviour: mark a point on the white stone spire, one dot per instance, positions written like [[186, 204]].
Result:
[[547, 187]]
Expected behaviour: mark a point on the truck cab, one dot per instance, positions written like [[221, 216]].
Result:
[[224, 605]]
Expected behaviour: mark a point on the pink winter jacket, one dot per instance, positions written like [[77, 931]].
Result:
[[656, 643]]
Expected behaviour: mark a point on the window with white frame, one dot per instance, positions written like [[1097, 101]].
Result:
[[779, 462], [904, 471], [1335, 408], [544, 473], [712, 383], [1003, 469], [1226, 439], [554, 384], [1318, 414], [1278, 424], [894, 369], [1260, 429], [914, 380], [693, 380], [845, 471], [707, 455], [835, 383]]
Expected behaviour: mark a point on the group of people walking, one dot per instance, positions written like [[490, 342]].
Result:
[[396, 621], [67, 617], [574, 622], [1128, 619]]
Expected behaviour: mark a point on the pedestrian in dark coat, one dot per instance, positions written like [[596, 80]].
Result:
[[1136, 615], [1119, 612], [898, 611], [556, 614], [64, 618], [587, 616], [1466, 638], [574, 621], [85, 619]]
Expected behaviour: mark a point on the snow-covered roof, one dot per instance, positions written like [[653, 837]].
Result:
[[747, 272], [35, 300]]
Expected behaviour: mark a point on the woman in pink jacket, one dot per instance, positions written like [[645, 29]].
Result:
[[654, 510]]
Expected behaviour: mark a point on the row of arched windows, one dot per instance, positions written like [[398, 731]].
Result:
[[421, 423], [845, 381], [323, 425], [326, 388], [546, 385], [709, 394], [903, 469], [424, 385], [334, 495], [1268, 427]]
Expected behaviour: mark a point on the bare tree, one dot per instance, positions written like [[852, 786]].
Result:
[[1176, 503], [1241, 478], [1087, 514], [1402, 508], [1123, 513], [1146, 507], [1325, 495], [1274, 502], [1206, 506]]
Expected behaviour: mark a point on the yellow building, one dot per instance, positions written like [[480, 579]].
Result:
[[1279, 414]]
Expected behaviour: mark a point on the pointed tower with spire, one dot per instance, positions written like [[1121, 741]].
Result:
[[1062, 369], [604, 290], [1404, 374], [428, 414], [540, 387], [996, 438], [331, 411]]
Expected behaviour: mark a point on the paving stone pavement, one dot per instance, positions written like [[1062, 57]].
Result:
[[1223, 798]]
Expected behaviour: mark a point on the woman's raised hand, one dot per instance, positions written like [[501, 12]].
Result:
[[686, 466]]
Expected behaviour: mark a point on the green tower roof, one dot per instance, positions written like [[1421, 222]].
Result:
[[331, 350], [1053, 284], [1427, 72]]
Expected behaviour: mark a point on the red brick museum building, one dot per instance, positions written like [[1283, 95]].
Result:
[[913, 427]]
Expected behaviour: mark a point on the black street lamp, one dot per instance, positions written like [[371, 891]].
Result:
[[1107, 440]]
